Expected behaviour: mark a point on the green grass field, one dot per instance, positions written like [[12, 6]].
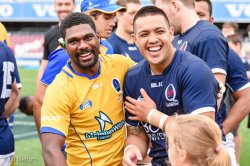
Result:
[[28, 147]]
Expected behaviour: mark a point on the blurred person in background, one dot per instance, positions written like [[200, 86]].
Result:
[[238, 88], [235, 43], [121, 40], [4, 37], [62, 8], [230, 28], [9, 102]]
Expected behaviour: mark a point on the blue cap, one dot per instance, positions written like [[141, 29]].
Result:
[[104, 6]]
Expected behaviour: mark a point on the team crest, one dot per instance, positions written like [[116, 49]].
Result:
[[117, 87], [86, 104], [170, 94], [184, 46]]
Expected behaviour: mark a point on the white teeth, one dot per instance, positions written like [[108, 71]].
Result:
[[154, 48], [86, 54]]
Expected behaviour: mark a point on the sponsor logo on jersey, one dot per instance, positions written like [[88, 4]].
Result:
[[104, 133], [132, 48], [184, 46], [170, 95], [117, 88], [179, 41], [86, 104], [97, 85], [51, 118], [156, 85]]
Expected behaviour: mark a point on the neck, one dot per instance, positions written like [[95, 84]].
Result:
[[125, 36], [159, 68], [88, 71], [188, 20]]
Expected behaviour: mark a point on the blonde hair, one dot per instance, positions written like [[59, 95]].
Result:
[[200, 137]]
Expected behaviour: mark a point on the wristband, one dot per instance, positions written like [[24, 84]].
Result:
[[162, 120], [150, 114], [129, 146]]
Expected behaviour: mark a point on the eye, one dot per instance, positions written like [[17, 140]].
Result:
[[143, 35], [89, 37], [73, 42], [160, 32]]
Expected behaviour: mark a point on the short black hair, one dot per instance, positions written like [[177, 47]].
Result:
[[150, 11], [24, 105], [75, 19], [209, 3]]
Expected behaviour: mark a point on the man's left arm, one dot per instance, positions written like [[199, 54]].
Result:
[[240, 109], [13, 101]]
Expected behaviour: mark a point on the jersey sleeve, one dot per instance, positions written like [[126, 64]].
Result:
[[213, 49], [55, 112], [128, 91], [57, 60], [237, 78], [199, 89]]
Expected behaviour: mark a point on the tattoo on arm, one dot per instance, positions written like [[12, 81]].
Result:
[[135, 130]]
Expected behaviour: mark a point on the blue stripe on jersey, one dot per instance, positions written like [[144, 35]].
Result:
[[51, 130], [85, 75], [67, 73]]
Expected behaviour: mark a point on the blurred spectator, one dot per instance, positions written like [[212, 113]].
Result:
[[62, 8], [229, 28], [122, 40], [235, 43], [26, 105]]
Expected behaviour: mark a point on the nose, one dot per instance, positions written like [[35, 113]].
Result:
[[153, 38], [112, 22], [82, 45]]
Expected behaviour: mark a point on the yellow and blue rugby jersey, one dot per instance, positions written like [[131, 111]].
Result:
[[4, 35], [88, 112]]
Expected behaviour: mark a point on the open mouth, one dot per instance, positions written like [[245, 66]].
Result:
[[154, 50], [85, 56]]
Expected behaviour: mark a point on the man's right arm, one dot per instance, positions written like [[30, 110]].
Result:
[[52, 153], [136, 145], [37, 104]]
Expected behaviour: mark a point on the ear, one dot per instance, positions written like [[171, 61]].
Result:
[[211, 19], [183, 156], [171, 31], [134, 39], [176, 4]]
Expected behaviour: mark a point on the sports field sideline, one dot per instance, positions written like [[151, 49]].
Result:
[[28, 148]]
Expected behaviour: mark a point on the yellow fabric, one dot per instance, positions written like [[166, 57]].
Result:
[[90, 109], [4, 35]]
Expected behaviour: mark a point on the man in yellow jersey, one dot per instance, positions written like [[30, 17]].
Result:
[[83, 105], [4, 35]]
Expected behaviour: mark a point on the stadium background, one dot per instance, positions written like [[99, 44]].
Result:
[[28, 20]]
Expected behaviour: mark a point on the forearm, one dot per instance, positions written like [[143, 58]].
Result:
[[13, 102], [37, 114], [237, 113], [52, 154], [53, 157], [137, 137]]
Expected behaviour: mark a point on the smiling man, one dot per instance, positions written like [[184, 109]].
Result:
[[170, 82], [83, 105]]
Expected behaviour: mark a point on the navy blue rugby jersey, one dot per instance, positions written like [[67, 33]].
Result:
[[207, 42], [186, 86], [120, 46], [7, 69]]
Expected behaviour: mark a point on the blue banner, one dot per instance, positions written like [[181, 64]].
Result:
[[231, 10], [27, 11], [223, 10]]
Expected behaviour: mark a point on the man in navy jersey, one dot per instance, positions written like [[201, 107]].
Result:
[[197, 36], [8, 103], [236, 81], [170, 78], [121, 40]]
